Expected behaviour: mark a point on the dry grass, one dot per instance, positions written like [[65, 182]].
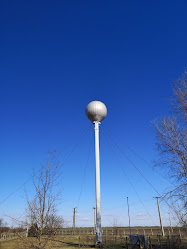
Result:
[[65, 242], [73, 241], [11, 244]]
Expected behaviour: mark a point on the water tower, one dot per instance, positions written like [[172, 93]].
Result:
[[96, 112]]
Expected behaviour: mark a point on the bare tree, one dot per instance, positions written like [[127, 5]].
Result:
[[172, 145], [1, 222], [41, 210], [54, 221]]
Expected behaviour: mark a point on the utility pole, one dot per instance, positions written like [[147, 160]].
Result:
[[129, 215], [74, 220], [162, 229], [94, 220], [27, 223], [170, 222]]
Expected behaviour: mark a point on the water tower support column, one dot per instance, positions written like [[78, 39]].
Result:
[[96, 112], [97, 173]]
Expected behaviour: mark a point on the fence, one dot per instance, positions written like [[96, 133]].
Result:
[[121, 241], [126, 232], [116, 238], [10, 236]]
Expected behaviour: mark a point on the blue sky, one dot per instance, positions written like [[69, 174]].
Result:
[[56, 57]]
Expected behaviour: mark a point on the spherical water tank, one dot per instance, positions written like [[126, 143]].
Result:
[[96, 111]]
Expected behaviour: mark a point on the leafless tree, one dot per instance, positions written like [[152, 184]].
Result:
[[54, 221], [172, 146], [1, 222], [41, 210]]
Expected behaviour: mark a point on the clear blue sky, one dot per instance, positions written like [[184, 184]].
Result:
[[56, 57]]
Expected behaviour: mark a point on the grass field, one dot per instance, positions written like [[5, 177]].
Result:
[[12, 244], [116, 237], [57, 243], [111, 242]]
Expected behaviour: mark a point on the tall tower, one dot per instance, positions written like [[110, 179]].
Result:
[[96, 112]]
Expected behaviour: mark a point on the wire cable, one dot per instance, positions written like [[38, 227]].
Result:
[[17, 189], [146, 162], [139, 171], [131, 184], [85, 170], [78, 139], [143, 159], [39, 169], [134, 165]]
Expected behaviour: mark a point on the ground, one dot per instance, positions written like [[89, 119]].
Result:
[[117, 238]]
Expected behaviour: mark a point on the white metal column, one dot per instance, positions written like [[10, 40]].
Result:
[[97, 173]]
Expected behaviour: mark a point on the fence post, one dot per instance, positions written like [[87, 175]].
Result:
[[126, 243], [169, 241], [160, 241], [87, 240], [150, 245]]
